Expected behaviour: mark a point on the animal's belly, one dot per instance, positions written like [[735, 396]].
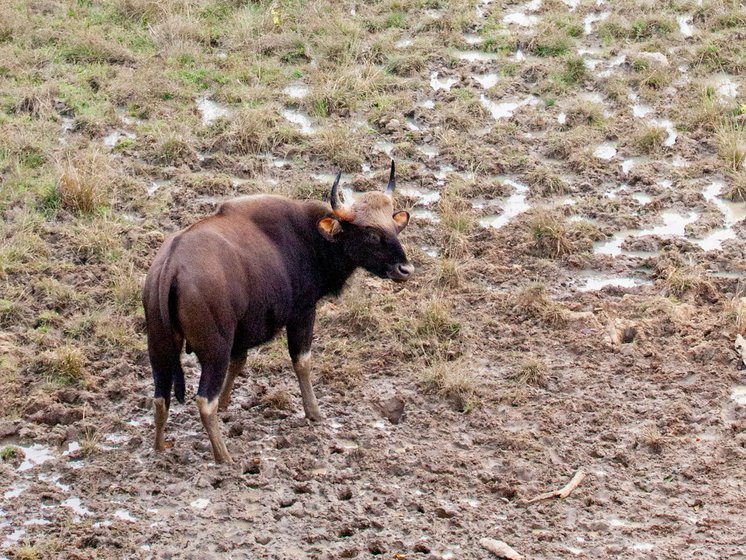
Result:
[[256, 328]]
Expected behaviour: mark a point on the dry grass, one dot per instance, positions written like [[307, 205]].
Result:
[[534, 302], [649, 139], [341, 146], [731, 145], [64, 366], [255, 130], [652, 438], [84, 182], [455, 381], [736, 190], [681, 280], [456, 225], [277, 399], [542, 181], [532, 372], [448, 274], [550, 236]]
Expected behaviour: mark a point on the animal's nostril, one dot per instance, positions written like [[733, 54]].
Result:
[[405, 269]]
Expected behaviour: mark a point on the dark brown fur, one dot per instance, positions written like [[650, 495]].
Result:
[[233, 280]]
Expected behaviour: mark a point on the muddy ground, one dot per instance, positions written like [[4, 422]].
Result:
[[575, 175]]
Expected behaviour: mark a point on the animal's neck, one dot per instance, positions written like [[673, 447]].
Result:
[[335, 268]]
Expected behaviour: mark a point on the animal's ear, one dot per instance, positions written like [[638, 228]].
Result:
[[401, 219], [329, 228]]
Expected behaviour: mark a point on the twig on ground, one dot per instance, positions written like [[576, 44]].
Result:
[[562, 493]]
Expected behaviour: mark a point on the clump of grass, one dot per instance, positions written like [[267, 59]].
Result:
[[542, 181], [436, 321], [533, 301], [731, 144], [171, 148], [89, 442], [252, 130], [532, 372], [26, 551], [84, 181], [456, 225], [10, 453], [575, 71], [735, 310], [736, 187], [64, 366], [584, 112], [277, 399], [454, 381], [681, 280], [649, 139], [448, 274], [126, 288], [550, 43], [652, 438], [341, 145], [553, 237]]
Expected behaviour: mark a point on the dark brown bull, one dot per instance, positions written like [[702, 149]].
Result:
[[233, 280]]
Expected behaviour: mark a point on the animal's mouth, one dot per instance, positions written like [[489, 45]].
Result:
[[401, 272]]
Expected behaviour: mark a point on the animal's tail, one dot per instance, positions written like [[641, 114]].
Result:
[[164, 337]]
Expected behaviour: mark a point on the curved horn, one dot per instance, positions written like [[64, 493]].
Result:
[[334, 195], [392, 180]]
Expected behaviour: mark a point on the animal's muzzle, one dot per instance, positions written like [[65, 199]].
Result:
[[401, 272]]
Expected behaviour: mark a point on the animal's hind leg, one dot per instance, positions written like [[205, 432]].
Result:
[[234, 370], [210, 385], [300, 334], [161, 415]]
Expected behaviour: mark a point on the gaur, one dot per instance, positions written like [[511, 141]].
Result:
[[231, 281]]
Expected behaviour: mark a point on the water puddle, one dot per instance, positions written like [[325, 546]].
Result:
[[562, 118], [297, 90], [412, 124], [473, 56], [444, 84], [486, 80], [666, 125], [423, 196], [211, 110], [113, 138], [200, 503], [674, 225], [429, 151], [590, 19], [385, 147], [642, 198], [35, 455], [515, 204], [724, 85], [685, 25], [403, 43], [606, 151], [597, 282], [629, 163], [481, 7], [505, 109], [124, 515], [76, 505], [738, 394], [15, 491], [158, 184], [571, 4], [54, 479], [13, 538], [520, 18], [426, 104], [425, 214], [300, 119], [733, 212], [472, 39]]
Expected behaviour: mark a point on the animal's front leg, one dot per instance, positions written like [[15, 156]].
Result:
[[300, 334]]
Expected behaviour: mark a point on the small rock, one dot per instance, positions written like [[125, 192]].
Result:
[[393, 125], [392, 409], [235, 430], [263, 539], [500, 549], [445, 513]]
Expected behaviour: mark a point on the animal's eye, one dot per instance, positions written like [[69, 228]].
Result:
[[373, 236]]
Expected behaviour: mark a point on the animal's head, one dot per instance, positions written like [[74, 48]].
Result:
[[368, 230]]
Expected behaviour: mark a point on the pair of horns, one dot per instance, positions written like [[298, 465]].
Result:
[[337, 204]]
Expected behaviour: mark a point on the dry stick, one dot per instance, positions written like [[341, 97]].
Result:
[[563, 492]]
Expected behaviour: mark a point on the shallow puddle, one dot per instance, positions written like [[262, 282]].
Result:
[[473, 56], [486, 80], [113, 138], [685, 25], [429, 151], [200, 503], [516, 204], [296, 90], [505, 109], [385, 147], [674, 225], [472, 39], [520, 18], [607, 150], [158, 184], [590, 19], [76, 505], [724, 85], [629, 163], [733, 212], [211, 110], [423, 196], [35, 455], [403, 43], [444, 83], [598, 282], [738, 394], [299, 119]]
